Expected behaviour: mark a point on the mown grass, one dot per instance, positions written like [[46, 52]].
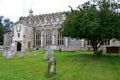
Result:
[[70, 66]]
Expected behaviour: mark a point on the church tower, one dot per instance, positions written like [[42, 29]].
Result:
[[30, 12]]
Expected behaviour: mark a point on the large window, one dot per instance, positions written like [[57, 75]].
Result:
[[48, 20], [54, 20], [88, 42], [42, 21], [48, 38], [105, 42], [60, 40], [38, 38]]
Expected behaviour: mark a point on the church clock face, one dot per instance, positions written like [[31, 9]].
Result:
[[18, 29]]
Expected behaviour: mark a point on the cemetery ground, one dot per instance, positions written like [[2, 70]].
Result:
[[80, 65]]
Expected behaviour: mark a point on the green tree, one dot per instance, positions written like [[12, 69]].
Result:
[[5, 26], [8, 25], [95, 21], [1, 30]]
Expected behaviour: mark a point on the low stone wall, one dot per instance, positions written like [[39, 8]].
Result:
[[72, 48], [62, 48]]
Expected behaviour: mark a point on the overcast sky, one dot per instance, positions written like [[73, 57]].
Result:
[[13, 9]]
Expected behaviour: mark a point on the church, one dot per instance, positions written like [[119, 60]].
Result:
[[42, 31]]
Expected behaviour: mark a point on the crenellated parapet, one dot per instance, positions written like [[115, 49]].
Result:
[[43, 20]]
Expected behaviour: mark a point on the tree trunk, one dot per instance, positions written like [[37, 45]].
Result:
[[96, 45], [95, 51]]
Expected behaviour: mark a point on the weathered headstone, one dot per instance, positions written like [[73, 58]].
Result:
[[51, 67], [29, 54], [48, 54], [5, 51], [35, 54], [13, 50], [9, 55], [21, 54], [9, 52]]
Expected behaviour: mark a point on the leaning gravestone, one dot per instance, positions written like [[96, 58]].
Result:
[[48, 54], [51, 67]]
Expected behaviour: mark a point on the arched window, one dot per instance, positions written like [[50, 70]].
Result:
[[54, 20], [48, 38], [42, 21], [48, 20], [60, 40], [18, 35], [38, 38], [106, 42], [88, 42]]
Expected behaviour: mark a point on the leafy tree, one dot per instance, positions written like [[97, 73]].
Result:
[[1, 31], [8, 25], [5, 26], [95, 20]]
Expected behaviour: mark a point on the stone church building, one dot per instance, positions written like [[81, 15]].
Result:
[[41, 32]]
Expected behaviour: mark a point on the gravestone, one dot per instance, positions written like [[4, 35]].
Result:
[[13, 50], [29, 54], [51, 67], [35, 54], [21, 54], [9, 55], [9, 52], [48, 54], [5, 51]]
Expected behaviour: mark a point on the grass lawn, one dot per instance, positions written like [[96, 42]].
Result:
[[70, 66]]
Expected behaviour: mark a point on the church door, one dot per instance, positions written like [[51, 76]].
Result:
[[19, 46]]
